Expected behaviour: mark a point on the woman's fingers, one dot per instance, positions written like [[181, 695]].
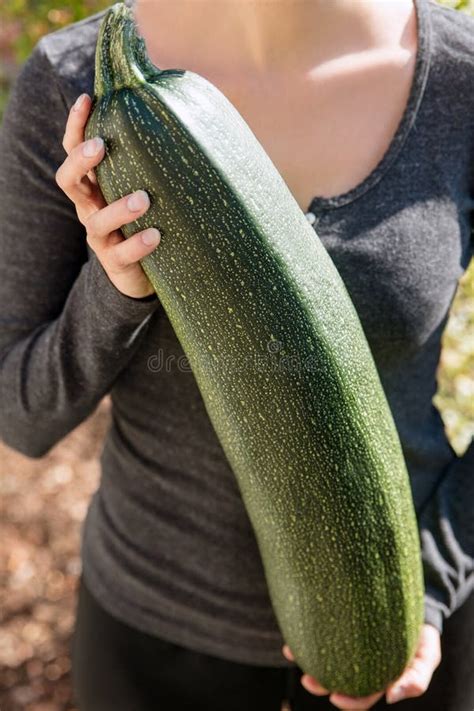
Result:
[[116, 253], [338, 700], [71, 176], [102, 225], [76, 122], [309, 682], [413, 682], [125, 254], [75, 127], [313, 686], [350, 703], [417, 676], [119, 257]]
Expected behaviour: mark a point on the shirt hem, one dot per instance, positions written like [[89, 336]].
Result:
[[172, 632]]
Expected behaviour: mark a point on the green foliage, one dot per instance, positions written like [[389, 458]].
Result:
[[463, 5], [455, 395], [29, 20]]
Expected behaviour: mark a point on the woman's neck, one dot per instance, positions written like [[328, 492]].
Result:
[[264, 37]]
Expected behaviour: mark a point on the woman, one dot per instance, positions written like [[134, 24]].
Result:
[[366, 110]]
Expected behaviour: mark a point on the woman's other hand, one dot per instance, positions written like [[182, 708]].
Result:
[[118, 256], [413, 682]]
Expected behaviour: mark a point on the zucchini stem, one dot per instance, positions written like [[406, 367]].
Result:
[[121, 57]]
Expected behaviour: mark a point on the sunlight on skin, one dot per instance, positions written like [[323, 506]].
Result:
[[413, 682]]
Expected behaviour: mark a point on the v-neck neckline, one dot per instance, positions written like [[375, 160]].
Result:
[[420, 75], [319, 204]]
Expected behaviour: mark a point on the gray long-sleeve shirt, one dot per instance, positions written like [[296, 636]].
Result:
[[167, 544]]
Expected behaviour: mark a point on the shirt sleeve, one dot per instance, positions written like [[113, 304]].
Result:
[[66, 332], [446, 524]]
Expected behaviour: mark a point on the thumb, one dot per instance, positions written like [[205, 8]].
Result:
[[417, 676]]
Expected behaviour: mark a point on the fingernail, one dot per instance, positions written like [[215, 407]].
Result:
[[79, 101], [396, 694], [138, 200], [92, 146], [151, 236]]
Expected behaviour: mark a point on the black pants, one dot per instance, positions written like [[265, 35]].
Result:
[[118, 668]]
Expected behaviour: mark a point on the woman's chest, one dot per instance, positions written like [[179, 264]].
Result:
[[325, 130], [325, 136]]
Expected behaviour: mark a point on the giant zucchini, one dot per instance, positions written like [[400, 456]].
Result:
[[280, 358]]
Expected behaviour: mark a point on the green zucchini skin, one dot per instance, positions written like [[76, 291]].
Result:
[[280, 358]]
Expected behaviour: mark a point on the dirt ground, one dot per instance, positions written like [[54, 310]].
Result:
[[43, 503]]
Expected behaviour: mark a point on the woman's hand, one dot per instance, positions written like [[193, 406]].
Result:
[[413, 682], [118, 256]]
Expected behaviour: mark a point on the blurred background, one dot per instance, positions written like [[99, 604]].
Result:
[[43, 502]]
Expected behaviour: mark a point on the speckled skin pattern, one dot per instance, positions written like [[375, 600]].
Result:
[[281, 361]]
